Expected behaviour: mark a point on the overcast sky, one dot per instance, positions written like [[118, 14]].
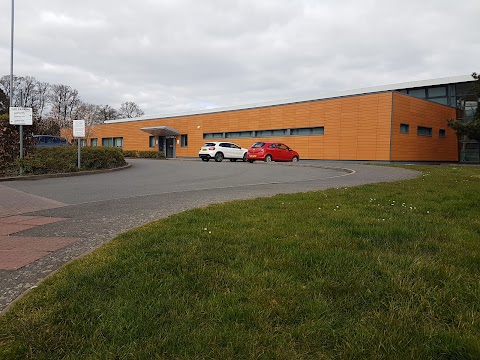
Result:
[[180, 55]]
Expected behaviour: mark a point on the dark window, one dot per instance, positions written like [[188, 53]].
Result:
[[151, 141], [307, 131], [237, 134], [424, 131], [213, 135], [442, 133], [184, 140], [117, 141], [94, 142], [404, 128], [272, 146], [437, 91], [418, 93]]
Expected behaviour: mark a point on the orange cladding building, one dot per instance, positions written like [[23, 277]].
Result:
[[383, 126]]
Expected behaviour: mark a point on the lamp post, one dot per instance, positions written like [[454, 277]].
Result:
[[11, 80]]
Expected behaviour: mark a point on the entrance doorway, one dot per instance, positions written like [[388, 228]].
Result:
[[167, 139], [170, 147]]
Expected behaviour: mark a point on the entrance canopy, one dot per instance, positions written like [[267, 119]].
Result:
[[161, 131]]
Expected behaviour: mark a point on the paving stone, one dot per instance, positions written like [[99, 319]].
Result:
[[7, 229], [15, 259]]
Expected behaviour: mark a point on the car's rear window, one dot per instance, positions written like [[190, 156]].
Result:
[[209, 144], [258, 145]]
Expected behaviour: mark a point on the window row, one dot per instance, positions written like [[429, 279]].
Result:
[[319, 130], [422, 130], [115, 142]]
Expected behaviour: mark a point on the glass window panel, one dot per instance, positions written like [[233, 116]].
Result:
[[404, 128], [441, 133], [301, 131], [437, 91], [418, 93], [279, 132], [94, 142], [151, 141], [443, 100], [424, 131], [184, 140], [118, 142], [318, 130], [465, 88], [264, 133], [107, 142]]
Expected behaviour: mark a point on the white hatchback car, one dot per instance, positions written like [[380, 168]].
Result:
[[222, 150]]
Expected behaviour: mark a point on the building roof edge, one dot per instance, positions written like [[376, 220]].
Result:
[[336, 94]]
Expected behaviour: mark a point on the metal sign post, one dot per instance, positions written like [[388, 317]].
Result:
[[78, 132], [20, 116]]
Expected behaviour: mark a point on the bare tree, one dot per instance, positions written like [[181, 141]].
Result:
[[43, 93], [130, 110], [28, 92], [108, 113], [5, 83], [63, 100]]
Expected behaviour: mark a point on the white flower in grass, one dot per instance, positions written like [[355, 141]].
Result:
[[209, 232], [205, 229]]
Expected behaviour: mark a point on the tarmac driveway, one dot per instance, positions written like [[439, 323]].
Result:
[[97, 207]]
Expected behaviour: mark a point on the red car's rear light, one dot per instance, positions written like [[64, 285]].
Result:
[[211, 148]]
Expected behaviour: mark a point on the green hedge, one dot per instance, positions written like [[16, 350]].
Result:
[[64, 159], [144, 154]]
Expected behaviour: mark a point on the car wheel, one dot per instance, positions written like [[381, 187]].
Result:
[[268, 158], [219, 157], [295, 159], [250, 161], [233, 160], [205, 159], [244, 157]]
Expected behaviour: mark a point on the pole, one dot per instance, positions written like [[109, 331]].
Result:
[[11, 57], [78, 141], [11, 80]]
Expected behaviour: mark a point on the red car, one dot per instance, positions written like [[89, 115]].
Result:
[[271, 151]]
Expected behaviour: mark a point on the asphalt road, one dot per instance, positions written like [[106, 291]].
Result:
[[101, 206]]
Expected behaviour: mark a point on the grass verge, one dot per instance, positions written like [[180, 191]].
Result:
[[380, 271]]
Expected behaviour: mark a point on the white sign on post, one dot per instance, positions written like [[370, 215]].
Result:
[[20, 116], [79, 128]]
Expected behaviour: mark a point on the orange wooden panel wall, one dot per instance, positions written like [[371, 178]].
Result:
[[356, 127], [412, 147]]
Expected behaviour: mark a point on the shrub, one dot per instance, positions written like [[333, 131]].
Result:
[[130, 153], [144, 154], [151, 154], [64, 159], [10, 140]]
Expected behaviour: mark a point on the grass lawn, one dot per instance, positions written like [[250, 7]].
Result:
[[380, 271]]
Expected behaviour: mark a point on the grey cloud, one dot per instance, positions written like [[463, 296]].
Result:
[[176, 55]]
